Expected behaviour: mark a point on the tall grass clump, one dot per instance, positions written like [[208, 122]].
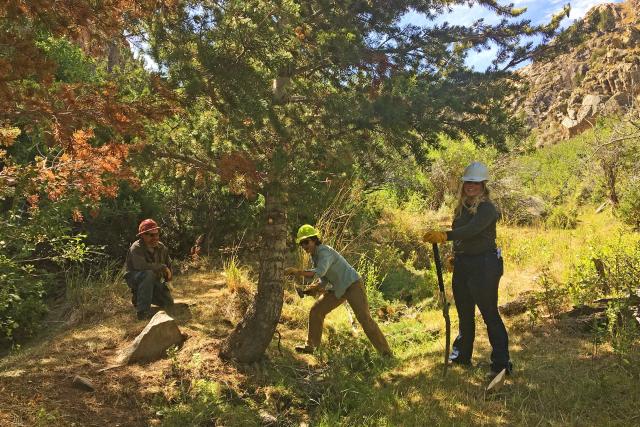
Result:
[[94, 292], [236, 276], [372, 278]]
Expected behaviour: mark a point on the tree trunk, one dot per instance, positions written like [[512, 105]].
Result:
[[611, 175], [251, 337]]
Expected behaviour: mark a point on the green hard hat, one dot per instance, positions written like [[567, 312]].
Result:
[[306, 231]]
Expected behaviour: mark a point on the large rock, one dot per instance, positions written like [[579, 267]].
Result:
[[617, 103], [160, 333], [569, 91]]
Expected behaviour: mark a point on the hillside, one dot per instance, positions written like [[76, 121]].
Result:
[[598, 76]]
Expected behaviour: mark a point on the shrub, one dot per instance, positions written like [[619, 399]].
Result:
[[371, 276], [564, 217], [21, 301], [552, 296], [629, 208], [612, 270]]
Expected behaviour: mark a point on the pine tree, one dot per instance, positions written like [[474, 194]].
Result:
[[298, 86]]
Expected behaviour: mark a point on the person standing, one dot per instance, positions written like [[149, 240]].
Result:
[[341, 283], [148, 270], [477, 268]]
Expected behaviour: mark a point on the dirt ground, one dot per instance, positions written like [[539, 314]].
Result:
[[36, 382]]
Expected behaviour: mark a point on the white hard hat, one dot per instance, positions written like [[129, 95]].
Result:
[[476, 172]]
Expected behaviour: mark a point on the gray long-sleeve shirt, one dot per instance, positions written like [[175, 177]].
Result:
[[140, 258], [329, 266], [474, 234]]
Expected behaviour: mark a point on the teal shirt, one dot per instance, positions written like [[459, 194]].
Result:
[[331, 267]]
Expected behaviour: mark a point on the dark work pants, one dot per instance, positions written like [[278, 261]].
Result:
[[148, 290], [475, 282]]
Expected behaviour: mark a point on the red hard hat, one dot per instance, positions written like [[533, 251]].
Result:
[[146, 226]]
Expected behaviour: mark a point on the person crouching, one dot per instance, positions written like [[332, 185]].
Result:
[[148, 270]]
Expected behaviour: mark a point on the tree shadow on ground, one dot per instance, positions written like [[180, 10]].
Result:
[[558, 380]]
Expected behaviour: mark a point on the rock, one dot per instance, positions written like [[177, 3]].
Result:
[[631, 37], [83, 384], [578, 83], [616, 103], [591, 100], [160, 333], [569, 123], [266, 418]]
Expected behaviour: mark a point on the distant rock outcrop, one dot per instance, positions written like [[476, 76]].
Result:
[[599, 76]]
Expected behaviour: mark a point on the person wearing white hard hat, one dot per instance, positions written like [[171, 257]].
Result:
[[477, 268], [340, 283]]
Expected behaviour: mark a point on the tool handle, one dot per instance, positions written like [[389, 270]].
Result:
[[445, 305]]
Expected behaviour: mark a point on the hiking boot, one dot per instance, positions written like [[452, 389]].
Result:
[[460, 362], [144, 315], [304, 349]]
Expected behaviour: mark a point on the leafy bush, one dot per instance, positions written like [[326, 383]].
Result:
[[21, 301], [553, 173], [551, 295], [563, 216], [612, 270], [371, 276], [629, 208]]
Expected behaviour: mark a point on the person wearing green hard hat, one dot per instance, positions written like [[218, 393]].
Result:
[[340, 283]]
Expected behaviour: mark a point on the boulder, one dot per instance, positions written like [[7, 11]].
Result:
[[160, 333], [591, 100], [631, 37], [616, 103]]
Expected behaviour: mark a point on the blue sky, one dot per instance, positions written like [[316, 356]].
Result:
[[538, 11]]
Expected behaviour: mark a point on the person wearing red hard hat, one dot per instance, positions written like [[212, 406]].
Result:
[[148, 270]]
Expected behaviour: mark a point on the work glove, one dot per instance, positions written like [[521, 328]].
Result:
[[433, 236], [293, 271], [314, 289]]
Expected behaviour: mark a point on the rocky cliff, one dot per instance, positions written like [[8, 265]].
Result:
[[599, 75]]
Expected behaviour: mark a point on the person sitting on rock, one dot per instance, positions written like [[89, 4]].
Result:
[[148, 270]]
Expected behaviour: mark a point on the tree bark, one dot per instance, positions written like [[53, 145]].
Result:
[[251, 337]]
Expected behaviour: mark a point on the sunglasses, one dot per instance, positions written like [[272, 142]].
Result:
[[304, 242]]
